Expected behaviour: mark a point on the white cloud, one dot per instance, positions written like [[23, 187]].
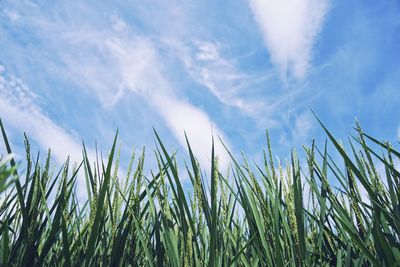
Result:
[[207, 66], [18, 110], [219, 75], [182, 117], [143, 74], [118, 23], [112, 65], [289, 29], [299, 128], [302, 127], [207, 52], [105, 64], [110, 61]]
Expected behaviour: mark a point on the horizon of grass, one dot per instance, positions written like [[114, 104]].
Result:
[[261, 215]]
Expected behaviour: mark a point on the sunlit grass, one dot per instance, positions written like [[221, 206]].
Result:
[[268, 215]]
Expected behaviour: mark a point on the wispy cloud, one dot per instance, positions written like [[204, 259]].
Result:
[[206, 65], [299, 130], [179, 115], [182, 117], [18, 109], [218, 74], [113, 64], [164, 64], [289, 29]]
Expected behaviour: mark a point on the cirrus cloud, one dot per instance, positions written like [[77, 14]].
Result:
[[289, 29]]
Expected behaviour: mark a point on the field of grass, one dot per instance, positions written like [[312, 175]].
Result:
[[268, 215]]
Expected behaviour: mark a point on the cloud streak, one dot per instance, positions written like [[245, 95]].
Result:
[[207, 66], [179, 115], [19, 110], [182, 117], [289, 29], [112, 66]]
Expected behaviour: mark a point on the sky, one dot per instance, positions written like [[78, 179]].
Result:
[[80, 70]]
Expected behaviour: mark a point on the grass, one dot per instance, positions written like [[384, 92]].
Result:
[[261, 215]]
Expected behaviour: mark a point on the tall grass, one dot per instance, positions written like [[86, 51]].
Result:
[[258, 215]]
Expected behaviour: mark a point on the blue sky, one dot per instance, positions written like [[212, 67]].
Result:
[[73, 70]]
